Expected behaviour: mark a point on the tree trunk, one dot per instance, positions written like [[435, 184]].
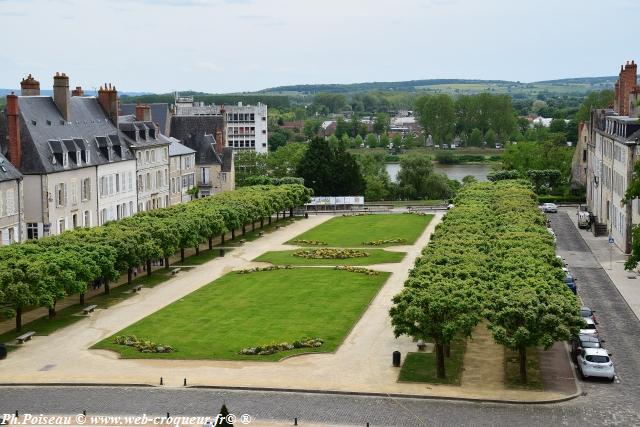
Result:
[[148, 267], [182, 254], [290, 212], [166, 262], [244, 229], [261, 222], [253, 226], [284, 214], [233, 234], [52, 312], [277, 216], [522, 352], [447, 350], [440, 360], [82, 298], [106, 287], [210, 242], [198, 249], [222, 239], [269, 219], [18, 318], [129, 276]]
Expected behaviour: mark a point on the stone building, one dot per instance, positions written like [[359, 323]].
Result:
[[182, 171], [11, 203], [612, 152], [205, 134]]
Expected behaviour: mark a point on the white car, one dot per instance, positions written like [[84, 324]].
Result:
[[550, 230], [595, 362], [549, 207], [589, 328]]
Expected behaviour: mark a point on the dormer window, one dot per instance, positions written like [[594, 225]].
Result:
[[78, 158], [87, 156], [65, 160]]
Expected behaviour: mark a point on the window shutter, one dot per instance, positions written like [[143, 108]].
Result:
[[64, 190]]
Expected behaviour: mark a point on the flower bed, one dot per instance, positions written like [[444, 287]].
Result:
[[383, 242], [310, 242], [143, 346], [353, 269], [264, 350], [270, 268], [330, 253]]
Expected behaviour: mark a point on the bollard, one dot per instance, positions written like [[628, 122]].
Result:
[[185, 382], [17, 415], [168, 416], [221, 252], [306, 215], [161, 383], [396, 358], [84, 412], [295, 421]]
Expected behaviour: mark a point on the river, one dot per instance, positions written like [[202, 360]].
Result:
[[457, 172]]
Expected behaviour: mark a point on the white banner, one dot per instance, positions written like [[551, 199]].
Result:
[[338, 200]]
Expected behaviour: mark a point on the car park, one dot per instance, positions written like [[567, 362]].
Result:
[[549, 208], [595, 362], [589, 327], [583, 341]]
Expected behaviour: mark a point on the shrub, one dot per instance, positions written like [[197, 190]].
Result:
[[353, 269], [270, 268], [143, 346], [330, 253], [264, 350], [310, 242], [383, 242]]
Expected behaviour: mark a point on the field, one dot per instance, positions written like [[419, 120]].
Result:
[[376, 256], [354, 231], [239, 311]]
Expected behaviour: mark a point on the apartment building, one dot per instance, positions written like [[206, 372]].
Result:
[[74, 161], [612, 152], [11, 203], [182, 171], [246, 124]]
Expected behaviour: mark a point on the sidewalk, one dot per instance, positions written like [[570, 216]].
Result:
[[612, 261]]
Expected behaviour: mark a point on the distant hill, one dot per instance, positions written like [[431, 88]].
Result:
[[48, 92]]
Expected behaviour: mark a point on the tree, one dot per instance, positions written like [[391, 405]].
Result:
[[469, 179], [410, 141], [381, 123], [372, 141], [342, 127], [320, 168], [278, 137], [490, 138], [284, 161], [311, 128], [397, 140], [601, 99], [348, 179], [524, 316], [329, 102], [357, 141], [475, 138], [384, 141], [249, 163], [436, 114], [435, 311], [414, 174], [558, 126]]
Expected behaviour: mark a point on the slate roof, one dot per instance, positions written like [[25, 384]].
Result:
[[8, 172], [177, 149], [227, 159], [45, 135], [197, 133], [141, 134], [159, 114]]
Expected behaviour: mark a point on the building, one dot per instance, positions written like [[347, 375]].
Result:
[[159, 112], [205, 134], [182, 172], [579, 160], [613, 150], [77, 168], [11, 203], [246, 124], [151, 151]]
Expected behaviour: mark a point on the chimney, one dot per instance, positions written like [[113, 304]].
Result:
[[61, 95], [108, 99], [13, 128], [29, 86], [219, 141], [143, 113], [77, 91]]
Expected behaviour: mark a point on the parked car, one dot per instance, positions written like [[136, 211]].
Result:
[[564, 261], [571, 282], [549, 207], [584, 219], [450, 206], [587, 313], [553, 233], [589, 327], [583, 341], [595, 362]]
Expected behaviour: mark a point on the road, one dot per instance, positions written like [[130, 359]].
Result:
[[604, 403]]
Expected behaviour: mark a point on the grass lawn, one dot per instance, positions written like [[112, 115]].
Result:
[[512, 370], [353, 231], [421, 367], [247, 310], [69, 315], [376, 256]]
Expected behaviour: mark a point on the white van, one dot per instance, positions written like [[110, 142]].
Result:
[[584, 219]]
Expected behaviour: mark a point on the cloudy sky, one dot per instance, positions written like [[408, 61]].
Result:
[[240, 45]]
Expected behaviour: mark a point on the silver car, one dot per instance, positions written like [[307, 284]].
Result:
[[549, 207]]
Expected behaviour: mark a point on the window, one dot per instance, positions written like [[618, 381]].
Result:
[[87, 157], [139, 156], [158, 179], [166, 201], [140, 186], [117, 183], [85, 191], [86, 221], [78, 158], [584, 155], [204, 175], [12, 235], [61, 195], [110, 184], [65, 160], [104, 217], [223, 177], [146, 156], [1, 205], [74, 220], [32, 230], [173, 185], [74, 192], [153, 156], [62, 222], [148, 183], [166, 153], [130, 181], [119, 211], [10, 204], [166, 177], [131, 208]]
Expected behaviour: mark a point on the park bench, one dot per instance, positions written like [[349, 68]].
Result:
[[277, 227], [175, 271], [89, 309], [137, 288], [243, 241], [25, 337], [421, 345], [261, 233]]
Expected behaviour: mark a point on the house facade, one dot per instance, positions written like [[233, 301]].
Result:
[[182, 172], [11, 203], [74, 161], [612, 152]]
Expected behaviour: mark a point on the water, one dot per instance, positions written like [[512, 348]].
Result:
[[457, 172]]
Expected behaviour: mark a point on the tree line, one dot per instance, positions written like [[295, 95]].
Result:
[[491, 259], [38, 273]]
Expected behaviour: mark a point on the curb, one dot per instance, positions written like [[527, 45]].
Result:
[[76, 385]]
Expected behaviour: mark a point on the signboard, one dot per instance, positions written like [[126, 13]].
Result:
[[610, 239], [338, 200]]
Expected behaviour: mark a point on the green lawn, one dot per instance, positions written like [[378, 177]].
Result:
[[421, 367], [512, 370], [352, 231], [238, 311], [69, 315], [376, 256]]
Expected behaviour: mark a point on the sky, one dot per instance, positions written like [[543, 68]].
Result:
[[222, 46]]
